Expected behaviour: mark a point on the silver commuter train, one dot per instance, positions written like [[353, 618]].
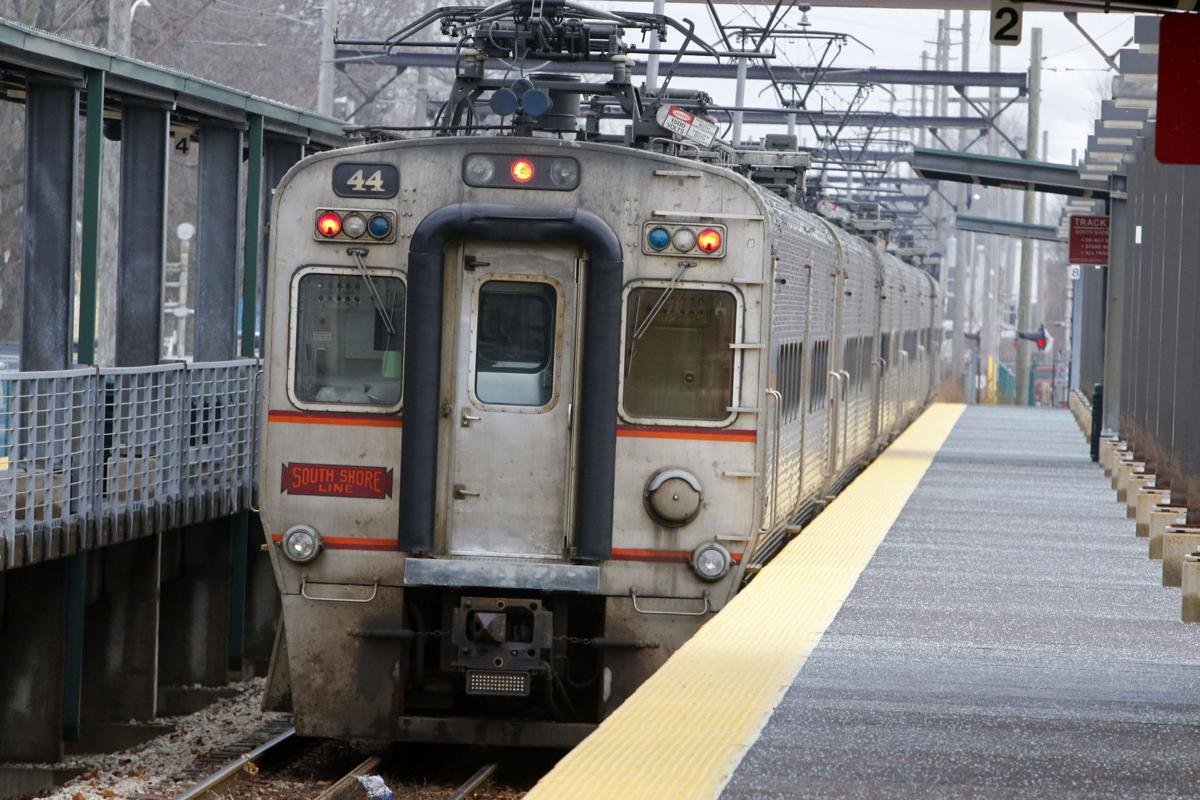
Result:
[[536, 409]]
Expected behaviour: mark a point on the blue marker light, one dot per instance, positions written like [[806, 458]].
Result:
[[658, 238], [379, 226]]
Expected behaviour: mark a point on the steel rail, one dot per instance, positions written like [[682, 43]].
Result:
[[234, 767], [342, 789], [476, 781]]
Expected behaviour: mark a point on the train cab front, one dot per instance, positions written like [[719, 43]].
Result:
[[461, 536]]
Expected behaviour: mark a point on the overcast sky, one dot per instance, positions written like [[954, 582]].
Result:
[[1075, 78]]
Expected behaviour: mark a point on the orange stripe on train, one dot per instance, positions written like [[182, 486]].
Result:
[[335, 418], [703, 434]]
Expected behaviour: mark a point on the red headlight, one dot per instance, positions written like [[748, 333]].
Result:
[[521, 170], [709, 240], [329, 224]]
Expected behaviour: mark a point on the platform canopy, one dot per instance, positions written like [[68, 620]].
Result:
[[1007, 173]]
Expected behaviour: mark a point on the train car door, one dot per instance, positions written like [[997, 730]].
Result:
[[515, 366]]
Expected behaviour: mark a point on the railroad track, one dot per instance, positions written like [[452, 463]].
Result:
[[346, 788], [217, 770], [481, 778], [219, 773]]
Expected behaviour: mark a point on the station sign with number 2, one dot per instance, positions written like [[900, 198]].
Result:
[[1006, 23]]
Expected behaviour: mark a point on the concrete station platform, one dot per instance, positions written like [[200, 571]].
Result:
[[1009, 638]]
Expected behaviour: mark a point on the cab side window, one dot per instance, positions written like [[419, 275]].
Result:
[[678, 360], [349, 345]]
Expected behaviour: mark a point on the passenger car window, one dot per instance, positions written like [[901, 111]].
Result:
[[348, 350], [514, 343], [681, 364]]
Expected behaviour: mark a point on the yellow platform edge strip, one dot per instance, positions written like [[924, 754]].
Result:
[[684, 732]]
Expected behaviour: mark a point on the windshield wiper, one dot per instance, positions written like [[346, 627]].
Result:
[[641, 329], [384, 314]]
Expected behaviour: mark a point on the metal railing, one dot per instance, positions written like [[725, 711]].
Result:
[[95, 456]]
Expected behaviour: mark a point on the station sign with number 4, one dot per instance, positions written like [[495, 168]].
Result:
[[1006, 23]]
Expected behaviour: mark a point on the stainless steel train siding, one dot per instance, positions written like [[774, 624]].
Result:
[[851, 332], [829, 356]]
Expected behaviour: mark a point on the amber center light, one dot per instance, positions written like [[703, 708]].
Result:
[[709, 240], [329, 224], [522, 170]]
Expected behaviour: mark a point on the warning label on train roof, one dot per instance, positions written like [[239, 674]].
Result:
[[1089, 239], [686, 124]]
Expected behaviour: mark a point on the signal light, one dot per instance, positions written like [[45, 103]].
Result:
[[521, 170], [354, 226], [709, 240], [379, 226], [684, 240], [1038, 337], [329, 224], [659, 238]]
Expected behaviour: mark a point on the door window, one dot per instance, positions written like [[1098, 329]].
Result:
[[349, 346], [514, 343]]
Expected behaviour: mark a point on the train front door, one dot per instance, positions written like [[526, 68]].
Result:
[[515, 368]]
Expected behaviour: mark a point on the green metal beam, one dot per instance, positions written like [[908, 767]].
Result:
[[1004, 227], [1008, 173], [240, 524], [93, 158], [250, 254]]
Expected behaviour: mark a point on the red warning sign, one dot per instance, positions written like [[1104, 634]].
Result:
[[1178, 115], [1089, 239], [336, 480]]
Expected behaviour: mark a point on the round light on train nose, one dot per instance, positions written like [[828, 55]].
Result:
[[684, 240], [479, 169], [564, 172], [354, 226], [711, 561], [301, 543], [521, 170], [379, 226], [329, 224], [658, 238], [709, 240]]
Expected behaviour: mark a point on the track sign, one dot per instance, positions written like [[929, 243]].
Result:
[[1178, 90], [1089, 239], [1006, 23]]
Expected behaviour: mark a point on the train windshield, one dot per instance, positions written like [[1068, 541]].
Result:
[[682, 365], [348, 350]]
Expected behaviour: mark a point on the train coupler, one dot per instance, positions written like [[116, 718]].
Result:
[[500, 643]]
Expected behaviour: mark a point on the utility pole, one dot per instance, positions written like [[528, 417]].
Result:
[[1024, 322], [739, 93], [924, 95], [660, 8], [989, 329], [963, 254], [326, 70], [421, 106]]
